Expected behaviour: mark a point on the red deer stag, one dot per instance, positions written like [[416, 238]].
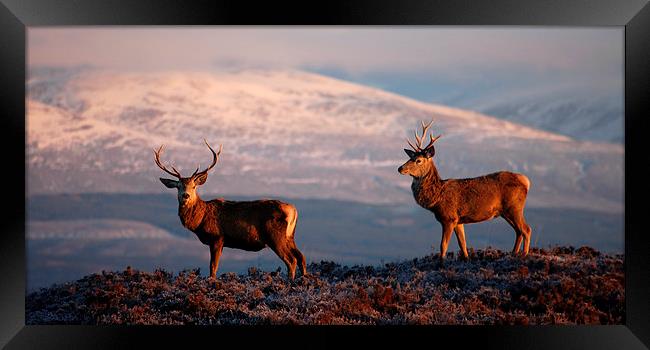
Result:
[[455, 202], [247, 225]]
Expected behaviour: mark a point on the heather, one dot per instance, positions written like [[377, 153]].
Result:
[[560, 285]]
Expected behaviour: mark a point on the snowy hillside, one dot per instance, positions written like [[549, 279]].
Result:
[[579, 112], [284, 133]]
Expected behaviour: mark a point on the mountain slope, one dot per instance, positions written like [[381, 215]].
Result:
[[286, 133], [584, 113]]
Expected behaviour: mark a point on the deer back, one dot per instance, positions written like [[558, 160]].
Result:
[[249, 223], [476, 199]]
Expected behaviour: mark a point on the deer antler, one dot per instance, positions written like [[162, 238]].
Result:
[[420, 139], [157, 152], [215, 158]]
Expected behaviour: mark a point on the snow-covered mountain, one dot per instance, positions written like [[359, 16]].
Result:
[[583, 113], [285, 133]]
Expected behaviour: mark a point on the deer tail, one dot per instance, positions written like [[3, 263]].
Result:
[[524, 180], [291, 215]]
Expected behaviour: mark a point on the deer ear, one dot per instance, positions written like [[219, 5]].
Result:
[[169, 183], [430, 152], [201, 178], [409, 153]]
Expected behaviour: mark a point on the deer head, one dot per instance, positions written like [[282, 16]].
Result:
[[420, 158], [186, 186]]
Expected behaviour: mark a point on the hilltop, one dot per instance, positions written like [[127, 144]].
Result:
[[562, 285]]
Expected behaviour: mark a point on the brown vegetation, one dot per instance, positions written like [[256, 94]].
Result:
[[558, 286]]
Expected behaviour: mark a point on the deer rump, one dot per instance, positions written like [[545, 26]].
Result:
[[481, 198], [251, 225]]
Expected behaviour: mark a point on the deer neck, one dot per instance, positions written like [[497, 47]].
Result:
[[192, 214], [426, 189]]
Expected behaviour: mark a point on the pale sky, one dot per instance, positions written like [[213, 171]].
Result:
[[354, 49], [403, 59]]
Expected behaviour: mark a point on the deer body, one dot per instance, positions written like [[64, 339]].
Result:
[[247, 225], [470, 200], [455, 202]]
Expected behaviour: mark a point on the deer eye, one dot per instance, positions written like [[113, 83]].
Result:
[[419, 161]]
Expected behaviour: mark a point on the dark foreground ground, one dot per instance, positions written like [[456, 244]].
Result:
[[562, 285]]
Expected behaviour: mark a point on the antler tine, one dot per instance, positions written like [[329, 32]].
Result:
[[425, 128], [215, 158], [409, 142], [432, 140], [418, 140], [157, 152]]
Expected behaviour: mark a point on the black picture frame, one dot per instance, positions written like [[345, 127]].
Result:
[[16, 15]]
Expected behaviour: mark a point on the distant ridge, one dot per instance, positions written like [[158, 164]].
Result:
[[285, 132]]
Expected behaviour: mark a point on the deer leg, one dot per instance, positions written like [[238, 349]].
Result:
[[447, 229], [527, 231], [291, 263], [285, 255], [515, 249], [215, 253], [523, 231], [460, 236], [300, 258]]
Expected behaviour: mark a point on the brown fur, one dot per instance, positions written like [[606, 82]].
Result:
[[247, 225], [455, 202]]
